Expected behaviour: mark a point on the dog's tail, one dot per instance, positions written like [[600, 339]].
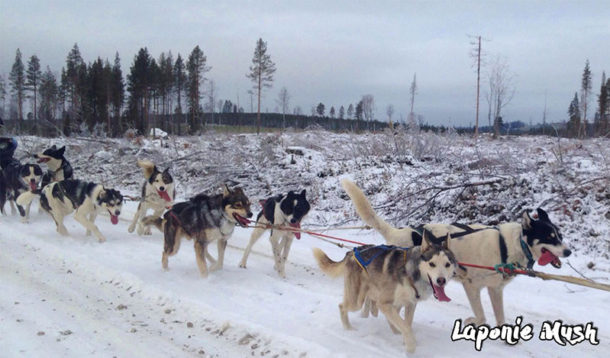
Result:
[[151, 220], [392, 235], [147, 167], [328, 266]]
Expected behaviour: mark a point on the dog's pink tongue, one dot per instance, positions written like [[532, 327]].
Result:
[[439, 293], [114, 219], [33, 186], [546, 258], [297, 234], [164, 195]]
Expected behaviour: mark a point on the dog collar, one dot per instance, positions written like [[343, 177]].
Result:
[[526, 250]]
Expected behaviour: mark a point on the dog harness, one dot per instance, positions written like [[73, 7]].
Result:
[[526, 250], [384, 248]]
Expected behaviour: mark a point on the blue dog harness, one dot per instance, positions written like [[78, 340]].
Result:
[[384, 248]]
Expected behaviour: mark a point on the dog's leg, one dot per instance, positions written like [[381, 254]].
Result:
[[222, 245], [497, 302], [256, 234], [58, 216], [26, 217], [92, 217], [200, 250], [148, 230], [274, 239], [366, 309], [392, 315], [171, 245], [13, 210], [136, 218], [81, 216], [285, 250], [474, 297]]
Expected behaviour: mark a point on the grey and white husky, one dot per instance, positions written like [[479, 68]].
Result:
[[518, 243], [83, 198], [158, 194], [280, 210], [393, 277]]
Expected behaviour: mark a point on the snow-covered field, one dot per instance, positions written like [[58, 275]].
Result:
[[72, 296]]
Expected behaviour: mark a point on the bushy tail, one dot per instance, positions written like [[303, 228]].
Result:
[[328, 266], [392, 235], [147, 167], [158, 222]]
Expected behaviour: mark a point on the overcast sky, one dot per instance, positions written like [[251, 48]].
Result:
[[336, 51]]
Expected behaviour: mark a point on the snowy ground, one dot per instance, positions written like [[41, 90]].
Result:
[[71, 296]]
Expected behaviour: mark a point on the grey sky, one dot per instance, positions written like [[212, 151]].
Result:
[[336, 51]]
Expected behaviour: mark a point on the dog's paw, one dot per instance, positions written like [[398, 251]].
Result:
[[25, 220], [242, 265], [63, 231], [88, 233], [474, 321], [130, 229], [101, 239], [148, 232]]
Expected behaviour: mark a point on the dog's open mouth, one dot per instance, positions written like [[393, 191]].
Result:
[[113, 218], [296, 225], [548, 257], [439, 291], [164, 195], [242, 221], [43, 160], [33, 186]]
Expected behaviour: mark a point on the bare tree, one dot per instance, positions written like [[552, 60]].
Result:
[[283, 101], [390, 113], [368, 107], [501, 89], [261, 74], [477, 55], [212, 99], [413, 92]]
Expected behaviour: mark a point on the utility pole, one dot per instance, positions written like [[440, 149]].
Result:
[[476, 128]]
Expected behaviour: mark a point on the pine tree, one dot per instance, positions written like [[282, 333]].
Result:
[[320, 109], [138, 86], [117, 94], [341, 112], [332, 112], [585, 90], [33, 75], [179, 82], [261, 74], [573, 126], [17, 79], [358, 114], [350, 111], [196, 68], [48, 95], [73, 84], [2, 95]]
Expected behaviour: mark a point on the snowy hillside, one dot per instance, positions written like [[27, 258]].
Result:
[[71, 296]]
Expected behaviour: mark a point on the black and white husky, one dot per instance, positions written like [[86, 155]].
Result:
[[279, 210], [18, 179], [157, 193], [58, 167], [518, 243], [84, 199]]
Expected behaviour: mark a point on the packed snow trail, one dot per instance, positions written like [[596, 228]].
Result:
[[72, 297]]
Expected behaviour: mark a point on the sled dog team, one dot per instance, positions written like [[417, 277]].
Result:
[[417, 262]]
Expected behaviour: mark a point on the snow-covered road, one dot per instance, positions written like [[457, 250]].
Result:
[[74, 297]]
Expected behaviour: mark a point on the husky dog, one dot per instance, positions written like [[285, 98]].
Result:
[[157, 194], [18, 179], [85, 200], [279, 210], [518, 243], [204, 219], [58, 167], [393, 277]]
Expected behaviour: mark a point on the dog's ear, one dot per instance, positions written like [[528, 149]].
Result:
[[445, 243], [54, 147], [542, 215], [527, 220], [61, 150], [425, 243], [226, 191], [166, 170], [303, 193]]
